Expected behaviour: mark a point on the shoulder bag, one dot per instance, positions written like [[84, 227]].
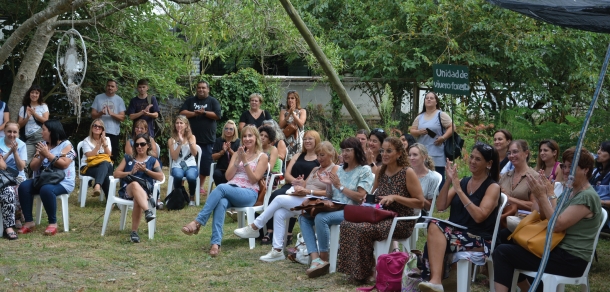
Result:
[[290, 130], [7, 179], [49, 176], [454, 144], [359, 214], [313, 206], [531, 234]]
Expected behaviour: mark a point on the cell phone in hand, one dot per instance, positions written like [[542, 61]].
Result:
[[430, 133]]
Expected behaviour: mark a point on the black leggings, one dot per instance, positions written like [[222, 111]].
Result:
[[281, 191], [508, 257]]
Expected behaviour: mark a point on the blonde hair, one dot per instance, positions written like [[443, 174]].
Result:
[[252, 129], [235, 133], [316, 137], [428, 162], [187, 130], [327, 148], [260, 97], [90, 127]]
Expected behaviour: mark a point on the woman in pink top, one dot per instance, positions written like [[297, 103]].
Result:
[[245, 170]]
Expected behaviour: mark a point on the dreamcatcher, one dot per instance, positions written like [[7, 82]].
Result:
[[72, 65]]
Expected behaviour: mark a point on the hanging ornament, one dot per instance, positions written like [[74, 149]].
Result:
[[71, 65]]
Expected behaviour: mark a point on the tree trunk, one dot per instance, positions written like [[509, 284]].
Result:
[[333, 78], [29, 66]]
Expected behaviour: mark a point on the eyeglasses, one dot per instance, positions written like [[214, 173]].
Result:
[[512, 153], [141, 144], [347, 150], [388, 151], [98, 126], [229, 129]]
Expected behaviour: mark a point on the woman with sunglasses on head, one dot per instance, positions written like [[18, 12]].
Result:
[[224, 148], [474, 204], [55, 150], [96, 161], [580, 218], [373, 157], [293, 116], [255, 115], [397, 189], [349, 186], [428, 128], [600, 178], [32, 114], [246, 168], [142, 165], [141, 127], [548, 160], [183, 151]]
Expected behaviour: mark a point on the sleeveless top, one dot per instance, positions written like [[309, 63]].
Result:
[[68, 182], [314, 183], [277, 167], [303, 167], [392, 185], [184, 155], [436, 152], [241, 177], [460, 215], [130, 163]]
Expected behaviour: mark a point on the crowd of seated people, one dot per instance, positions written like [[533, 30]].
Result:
[[401, 173]]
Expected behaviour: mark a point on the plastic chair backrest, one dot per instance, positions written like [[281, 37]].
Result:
[[504, 199], [599, 230], [440, 179], [79, 149]]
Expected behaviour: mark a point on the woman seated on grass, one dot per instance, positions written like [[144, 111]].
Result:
[[142, 165], [580, 218], [96, 161], [279, 209], [183, 151], [349, 186], [247, 167], [474, 204], [397, 189]]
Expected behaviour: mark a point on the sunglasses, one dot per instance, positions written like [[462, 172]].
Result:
[[377, 130], [98, 126], [141, 144], [483, 146], [388, 151]]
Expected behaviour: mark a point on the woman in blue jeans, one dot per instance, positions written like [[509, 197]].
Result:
[[183, 151], [349, 186], [246, 168], [55, 149]]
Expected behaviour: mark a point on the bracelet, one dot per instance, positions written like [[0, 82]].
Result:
[[246, 164], [311, 192], [467, 204], [552, 197]]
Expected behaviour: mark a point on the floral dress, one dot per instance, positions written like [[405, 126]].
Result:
[[293, 145], [356, 240]]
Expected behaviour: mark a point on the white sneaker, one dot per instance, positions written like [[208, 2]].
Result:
[[192, 203], [429, 287], [246, 232], [273, 256]]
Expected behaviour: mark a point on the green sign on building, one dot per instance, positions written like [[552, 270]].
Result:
[[452, 79]]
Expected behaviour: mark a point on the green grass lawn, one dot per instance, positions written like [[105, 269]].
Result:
[[85, 261]]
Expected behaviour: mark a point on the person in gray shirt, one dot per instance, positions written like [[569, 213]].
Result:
[[111, 109]]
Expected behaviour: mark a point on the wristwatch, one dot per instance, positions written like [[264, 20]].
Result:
[[341, 188]]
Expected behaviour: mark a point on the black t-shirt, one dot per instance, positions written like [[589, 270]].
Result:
[[203, 127], [137, 104], [246, 117], [223, 162]]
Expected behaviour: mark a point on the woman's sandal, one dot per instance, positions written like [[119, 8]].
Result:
[[318, 268], [191, 228], [214, 253], [267, 238], [26, 230], [10, 235]]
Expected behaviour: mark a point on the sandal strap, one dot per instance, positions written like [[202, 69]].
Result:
[[318, 261]]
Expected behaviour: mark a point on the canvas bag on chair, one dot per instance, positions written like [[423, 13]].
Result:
[[389, 268]]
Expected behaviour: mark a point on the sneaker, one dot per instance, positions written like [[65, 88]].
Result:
[[273, 256], [149, 216], [135, 238], [246, 232], [192, 203], [429, 287]]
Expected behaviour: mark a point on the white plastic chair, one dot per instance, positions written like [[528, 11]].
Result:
[[557, 283], [335, 230], [124, 205], [464, 267], [383, 247], [84, 180], [64, 209], [422, 225], [211, 177], [249, 211], [170, 180]]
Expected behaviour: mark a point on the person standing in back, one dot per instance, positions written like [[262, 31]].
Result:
[[110, 107], [202, 111], [144, 106]]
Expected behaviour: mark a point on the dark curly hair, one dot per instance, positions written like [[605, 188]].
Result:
[[270, 132], [359, 155], [26, 98]]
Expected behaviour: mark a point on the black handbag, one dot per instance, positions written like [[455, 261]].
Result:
[[145, 184], [49, 176], [7, 179], [453, 145]]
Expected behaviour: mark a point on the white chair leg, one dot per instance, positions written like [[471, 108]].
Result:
[[463, 276], [2, 227], [198, 191], [240, 219], [84, 183], [106, 217], [38, 204], [515, 279], [250, 218], [152, 225], [551, 285], [334, 247], [124, 211], [64, 212], [490, 271], [413, 239]]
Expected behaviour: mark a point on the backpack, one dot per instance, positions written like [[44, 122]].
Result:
[[390, 268], [177, 199]]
